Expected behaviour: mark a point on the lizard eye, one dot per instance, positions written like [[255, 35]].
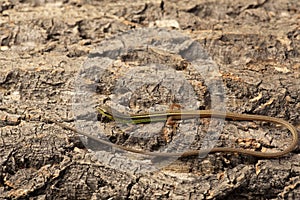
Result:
[[106, 112]]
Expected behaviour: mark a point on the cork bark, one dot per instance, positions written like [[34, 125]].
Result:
[[44, 45]]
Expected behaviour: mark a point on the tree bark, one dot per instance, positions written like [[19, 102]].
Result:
[[45, 44]]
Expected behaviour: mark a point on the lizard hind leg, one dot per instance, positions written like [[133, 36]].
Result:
[[167, 133]]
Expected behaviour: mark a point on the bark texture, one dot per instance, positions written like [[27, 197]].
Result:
[[43, 45]]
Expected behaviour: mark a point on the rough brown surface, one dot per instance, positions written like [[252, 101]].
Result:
[[43, 45]]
